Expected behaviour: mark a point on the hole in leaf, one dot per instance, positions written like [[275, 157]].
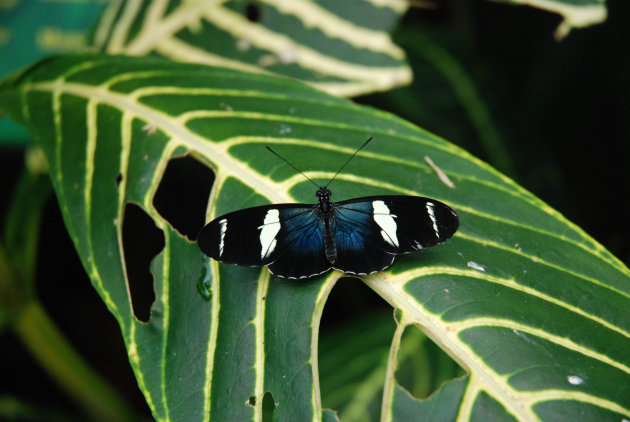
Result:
[[350, 299], [252, 12], [142, 241], [119, 179], [268, 407], [355, 336], [182, 196], [422, 365]]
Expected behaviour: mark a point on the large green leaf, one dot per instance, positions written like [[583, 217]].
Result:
[[342, 47], [530, 306]]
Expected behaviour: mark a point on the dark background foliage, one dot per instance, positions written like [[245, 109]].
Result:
[[559, 108]]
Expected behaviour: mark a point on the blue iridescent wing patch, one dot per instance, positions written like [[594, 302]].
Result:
[[360, 248], [300, 250]]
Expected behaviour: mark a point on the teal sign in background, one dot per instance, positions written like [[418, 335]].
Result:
[[33, 29]]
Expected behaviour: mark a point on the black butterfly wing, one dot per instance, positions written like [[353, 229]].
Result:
[[300, 252], [287, 237], [420, 222], [234, 238], [370, 231], [360, 248]]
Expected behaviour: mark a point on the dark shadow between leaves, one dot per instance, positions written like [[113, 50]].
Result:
[[142, 241], [354, 341], [422, 366], [182, 196]]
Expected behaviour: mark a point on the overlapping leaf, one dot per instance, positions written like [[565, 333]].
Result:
[[533, 308], [342, 47], [575, 13]]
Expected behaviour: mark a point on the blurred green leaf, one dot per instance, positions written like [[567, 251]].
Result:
[[13, 409], [341, 47], [352, 365], [21, 231], [529, 305], [445, 96]]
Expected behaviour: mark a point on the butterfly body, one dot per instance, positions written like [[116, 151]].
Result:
[[324, 214], [357, 236]]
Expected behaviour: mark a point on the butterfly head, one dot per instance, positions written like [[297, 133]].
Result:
[[323, 194]]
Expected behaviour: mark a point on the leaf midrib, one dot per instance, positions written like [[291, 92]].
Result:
[[387, 287]]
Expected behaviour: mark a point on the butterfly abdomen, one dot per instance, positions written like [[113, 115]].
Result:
[[330, 246], [325, 216]]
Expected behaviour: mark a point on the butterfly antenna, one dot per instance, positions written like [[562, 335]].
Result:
[[348, 160], [294, 168]]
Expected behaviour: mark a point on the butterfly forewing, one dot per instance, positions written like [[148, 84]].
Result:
[[420, 222], [360, 247], [248, 236], [287, 237], [234, 238]]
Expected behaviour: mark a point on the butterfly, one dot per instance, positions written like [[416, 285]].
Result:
[[357, 236]]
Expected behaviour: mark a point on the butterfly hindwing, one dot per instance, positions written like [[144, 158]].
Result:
[[300, 249], [360, 247]]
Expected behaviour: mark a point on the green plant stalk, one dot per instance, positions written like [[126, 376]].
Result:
[[54, 353], [47, 344], [21, 229]]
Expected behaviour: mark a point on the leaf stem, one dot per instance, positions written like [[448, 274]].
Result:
[[51, 349]]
